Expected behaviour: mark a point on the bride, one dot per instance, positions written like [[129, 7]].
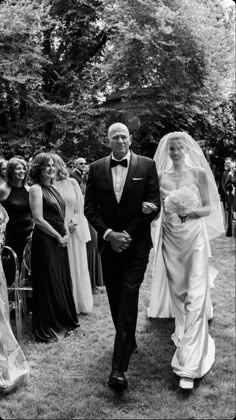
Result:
[[181, 275], [14, 369]]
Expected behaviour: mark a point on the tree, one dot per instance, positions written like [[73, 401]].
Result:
[[47, 98], [183, 49], [21, 66], [61, 58]]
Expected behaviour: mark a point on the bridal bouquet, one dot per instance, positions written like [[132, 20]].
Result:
[[181, 202]]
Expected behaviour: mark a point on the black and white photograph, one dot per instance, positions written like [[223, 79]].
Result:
[[117, 209]]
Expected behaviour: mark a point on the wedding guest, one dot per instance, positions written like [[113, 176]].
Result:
[[70, 166], [3, 167], [53, 308], [234, 189], [180, 280], [94, 259], [228, 191], [79, 173], [14, 196], [226, 176], [14, 369], [116, 187], [30, 161], [79, 236]]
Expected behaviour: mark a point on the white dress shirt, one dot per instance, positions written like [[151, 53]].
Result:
[[119, 174]]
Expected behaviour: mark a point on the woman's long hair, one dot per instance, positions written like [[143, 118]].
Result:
[[2, 162], [39, 163], [10, 171], [62, 171]]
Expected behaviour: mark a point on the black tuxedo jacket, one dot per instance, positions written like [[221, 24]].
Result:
[[101, 207], [77, 175]]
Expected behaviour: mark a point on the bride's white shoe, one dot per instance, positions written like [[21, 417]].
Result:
[[186, 383]]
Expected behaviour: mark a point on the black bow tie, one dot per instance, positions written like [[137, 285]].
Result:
[[123, 162]]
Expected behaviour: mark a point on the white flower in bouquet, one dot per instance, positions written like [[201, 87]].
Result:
[[181, 202]]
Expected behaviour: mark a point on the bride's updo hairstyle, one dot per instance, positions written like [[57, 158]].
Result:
[[194, 158]]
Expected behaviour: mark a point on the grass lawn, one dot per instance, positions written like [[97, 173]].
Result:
[[68, 380]]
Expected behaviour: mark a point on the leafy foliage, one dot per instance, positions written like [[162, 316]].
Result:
[[45, 96], [179, 52], [62, 58]]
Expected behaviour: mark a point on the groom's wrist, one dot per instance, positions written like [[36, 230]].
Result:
[[106, 234]]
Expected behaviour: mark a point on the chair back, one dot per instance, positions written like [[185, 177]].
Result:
[[25, 274], [10, 265]]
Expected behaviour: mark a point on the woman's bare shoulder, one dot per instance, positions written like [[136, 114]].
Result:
[[199, 172], [35, 189], [4, 191]]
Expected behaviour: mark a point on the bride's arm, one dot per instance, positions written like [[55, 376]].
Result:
[[204, 194]]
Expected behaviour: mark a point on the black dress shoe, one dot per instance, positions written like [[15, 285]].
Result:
[[117, 380]]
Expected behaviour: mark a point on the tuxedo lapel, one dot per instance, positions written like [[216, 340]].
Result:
[[130, 175], [108, 173]]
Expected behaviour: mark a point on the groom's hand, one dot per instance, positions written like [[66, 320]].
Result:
[[119, 240]]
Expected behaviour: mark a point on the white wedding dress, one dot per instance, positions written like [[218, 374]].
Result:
[[81, 283], [180, 289], [14, 368]]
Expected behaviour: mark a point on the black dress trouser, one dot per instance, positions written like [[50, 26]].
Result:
[[123, 274]]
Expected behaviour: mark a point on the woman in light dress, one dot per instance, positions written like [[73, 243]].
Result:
[[181, 275], [79, 235], [14, 369]]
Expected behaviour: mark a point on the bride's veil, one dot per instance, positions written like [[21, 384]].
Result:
[[194, 158]]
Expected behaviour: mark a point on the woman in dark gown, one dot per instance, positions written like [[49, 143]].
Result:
[[14, 197], [54, 312]]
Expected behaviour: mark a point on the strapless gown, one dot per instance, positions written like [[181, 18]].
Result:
[[180, 289]]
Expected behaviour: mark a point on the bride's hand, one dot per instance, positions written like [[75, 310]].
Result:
[[192, 215], [148, 207]]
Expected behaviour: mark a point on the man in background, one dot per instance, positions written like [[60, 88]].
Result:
[[79, 173]]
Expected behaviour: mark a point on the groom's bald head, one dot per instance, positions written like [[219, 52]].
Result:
[[119, 139], [117, 126]]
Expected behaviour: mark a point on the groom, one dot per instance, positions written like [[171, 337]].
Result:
[[119, 186]]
